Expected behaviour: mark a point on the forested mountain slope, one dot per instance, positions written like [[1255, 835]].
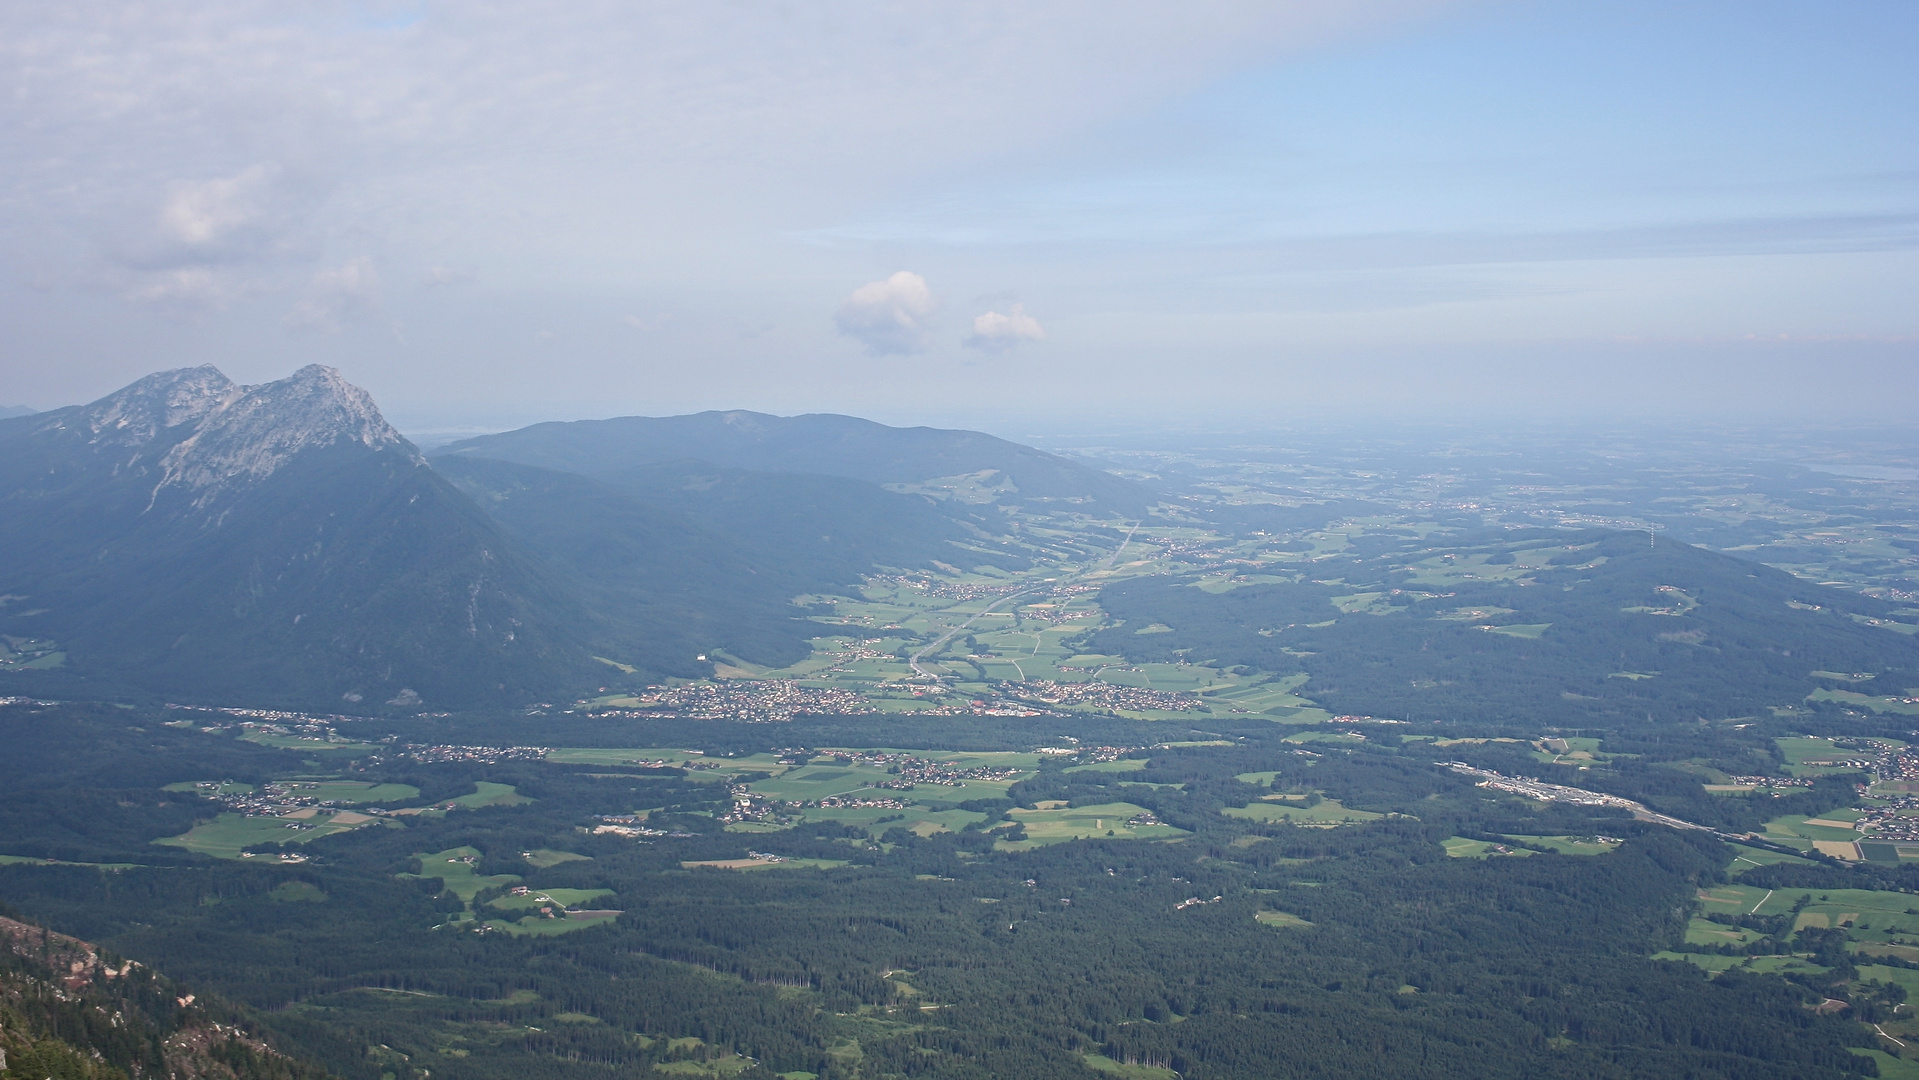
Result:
[[820, 443], [192, 537]]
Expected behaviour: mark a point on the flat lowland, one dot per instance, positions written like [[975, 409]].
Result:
[[226, 836], [1293, 809], [1106, 821]]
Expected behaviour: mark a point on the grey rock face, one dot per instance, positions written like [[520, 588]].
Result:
[[202, 432]]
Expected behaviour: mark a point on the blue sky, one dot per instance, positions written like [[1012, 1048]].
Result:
[[1007, 215]]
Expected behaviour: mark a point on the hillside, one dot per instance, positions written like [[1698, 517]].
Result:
[[1590, 628], [67, 1010], [282, 544], [821, 443]]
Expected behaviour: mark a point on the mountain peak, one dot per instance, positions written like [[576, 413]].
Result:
[[208, 431]]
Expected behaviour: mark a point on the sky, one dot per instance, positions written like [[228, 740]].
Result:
[[1023, 216]]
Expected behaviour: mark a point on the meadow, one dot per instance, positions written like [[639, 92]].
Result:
[[1049, 824]]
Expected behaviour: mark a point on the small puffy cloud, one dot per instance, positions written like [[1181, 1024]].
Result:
[[996, 332], [336, 296], [203, 213], [890, 317]]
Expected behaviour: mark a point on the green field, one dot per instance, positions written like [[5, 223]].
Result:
[[1123, 765], [1794, 829], [1106, 821], [1460, 847], [537, 925], [485, 794], [541, 858], [309, 743], [226, 835], [538, 898], [1281, 918], [1569, 845], [1816, 756], [1292, 809], [458, 870]]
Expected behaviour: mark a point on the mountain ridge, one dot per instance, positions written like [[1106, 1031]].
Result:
[[824, 443]]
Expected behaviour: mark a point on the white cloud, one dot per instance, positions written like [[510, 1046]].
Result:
[[890, 317], [208, 211], [337, 296], [995, 332]]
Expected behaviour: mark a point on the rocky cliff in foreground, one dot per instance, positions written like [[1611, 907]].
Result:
[[69, 1011]]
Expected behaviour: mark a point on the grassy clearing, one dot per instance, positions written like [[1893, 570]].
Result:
[[1123, 765], [542, 858], [311, 744], [1459, 847], [765, 864], [535, 899], [458, 871], [1705, 932], [1570, 845], [1751, 858], [1106, 821], [226, 836], [486, 794], [1806, 756], [1281, 918], [1293, 809]]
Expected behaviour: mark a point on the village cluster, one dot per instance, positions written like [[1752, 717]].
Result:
[[1105, 695], [760, 702]]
